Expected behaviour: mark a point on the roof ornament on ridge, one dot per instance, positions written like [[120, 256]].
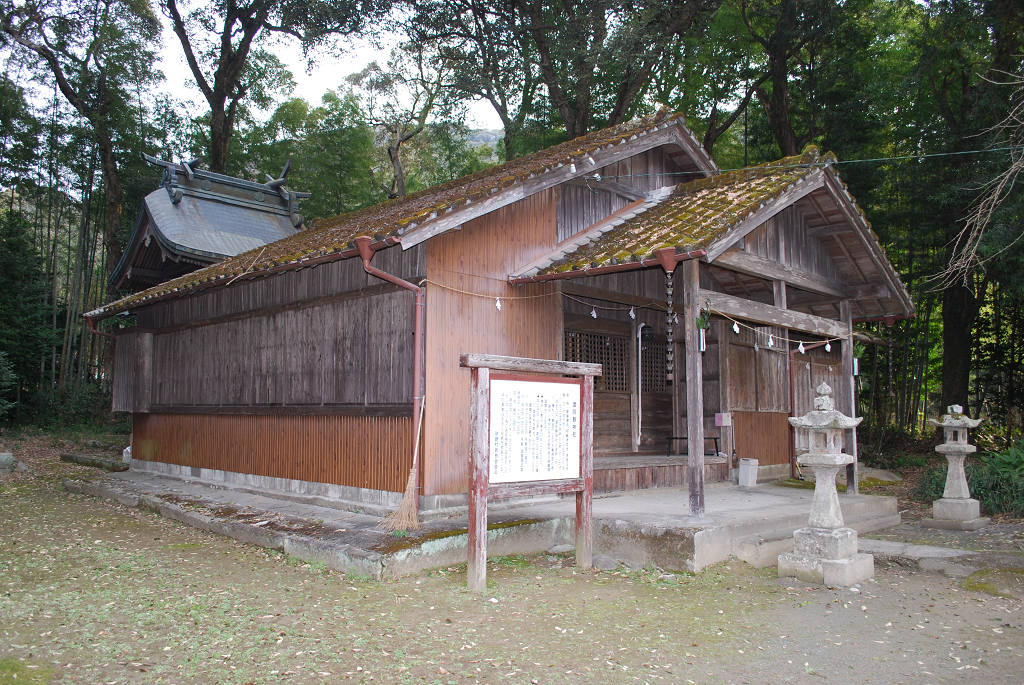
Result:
[[291, 197], [170, 178]]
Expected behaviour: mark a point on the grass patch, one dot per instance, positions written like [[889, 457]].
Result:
[[15, 671], [806, 484], [876, 482], [998, 582]]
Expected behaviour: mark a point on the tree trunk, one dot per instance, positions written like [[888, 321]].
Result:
[[776, 105], [115, 194], [959, 309], [220, 140], [394, 154]]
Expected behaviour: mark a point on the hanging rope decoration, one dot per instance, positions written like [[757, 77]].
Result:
[[671, 318]]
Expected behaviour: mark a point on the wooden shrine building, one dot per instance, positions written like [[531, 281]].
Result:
[[300, 366], [196, 218]]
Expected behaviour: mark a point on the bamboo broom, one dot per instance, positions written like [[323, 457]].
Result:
[[407, 515]]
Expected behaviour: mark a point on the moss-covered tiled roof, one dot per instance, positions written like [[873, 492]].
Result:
[[333, 236], [693, 216]]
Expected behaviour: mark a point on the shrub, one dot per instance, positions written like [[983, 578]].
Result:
[[996, 480]]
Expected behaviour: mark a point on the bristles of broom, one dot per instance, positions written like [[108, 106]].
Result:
[[407, 515]]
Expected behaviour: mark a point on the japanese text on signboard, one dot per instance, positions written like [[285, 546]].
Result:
[[534, 431]]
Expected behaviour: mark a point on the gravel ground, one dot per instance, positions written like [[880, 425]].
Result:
[[93, 592]]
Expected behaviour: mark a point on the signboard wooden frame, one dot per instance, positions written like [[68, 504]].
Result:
[[480, 488]]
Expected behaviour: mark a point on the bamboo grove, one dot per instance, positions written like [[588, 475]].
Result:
[[913, 97]]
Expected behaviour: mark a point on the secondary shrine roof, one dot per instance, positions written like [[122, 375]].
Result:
[[692, 216]]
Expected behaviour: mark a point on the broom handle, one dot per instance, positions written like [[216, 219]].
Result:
[[416, 445]]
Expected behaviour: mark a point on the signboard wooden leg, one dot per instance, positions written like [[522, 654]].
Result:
[[585, 499], [476, 575]]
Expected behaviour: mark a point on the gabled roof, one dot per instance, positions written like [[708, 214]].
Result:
[[411, 219], [706, 217], [198, 217], [692, 216]]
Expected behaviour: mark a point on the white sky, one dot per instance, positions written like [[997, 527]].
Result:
[[328, 74]]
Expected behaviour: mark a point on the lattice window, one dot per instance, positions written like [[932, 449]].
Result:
[[611, 351], [652, 366]]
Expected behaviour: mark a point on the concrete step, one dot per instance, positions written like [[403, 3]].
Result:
[[763, 549]]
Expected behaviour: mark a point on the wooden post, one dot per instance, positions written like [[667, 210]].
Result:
[[846, 395], [694, 386], [634, 386], [144, 380], [725, 401], [585, 498], [479, 470]]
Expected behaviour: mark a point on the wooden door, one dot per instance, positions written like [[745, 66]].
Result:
[[762, 435]]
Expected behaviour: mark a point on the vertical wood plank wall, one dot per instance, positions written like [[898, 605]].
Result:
[[304, 375], [358, 451], [763, 436], [580, 206], [354, 351], [478, 260], [783, 238]]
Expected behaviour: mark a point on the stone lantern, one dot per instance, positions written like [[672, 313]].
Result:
[[826, 551], [957, 510]]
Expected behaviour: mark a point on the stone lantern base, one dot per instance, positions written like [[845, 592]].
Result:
[[826, 556], [956, 514]]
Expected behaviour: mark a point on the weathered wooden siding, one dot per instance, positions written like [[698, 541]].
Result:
[[615, 474], [477, 261], [352, 351], [125, 376], [583, 205], [758, 380], [762, 435], [286, 288], [358, 451], [808, 371], [783, 239]]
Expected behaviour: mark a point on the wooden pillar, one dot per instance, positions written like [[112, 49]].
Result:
[[144, 372], [694, 386], [634, 386], [725, 401], [846, 395], [585, 498], [479, 471], [779, 292]]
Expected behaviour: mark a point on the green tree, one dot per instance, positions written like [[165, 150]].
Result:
[[331, 148], [26, 335], [93, 50], [19, 133], [219, 40]]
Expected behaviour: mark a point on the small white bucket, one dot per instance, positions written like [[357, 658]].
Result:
[[748, 473]]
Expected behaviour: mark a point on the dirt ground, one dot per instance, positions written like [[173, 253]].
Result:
[[92, 592]]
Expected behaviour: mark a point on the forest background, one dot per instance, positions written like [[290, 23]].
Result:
[[921, 101]]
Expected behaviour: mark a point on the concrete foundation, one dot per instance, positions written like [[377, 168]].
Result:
[[637, 528], [835, 572], [956, 514]]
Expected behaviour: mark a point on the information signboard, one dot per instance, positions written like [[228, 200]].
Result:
[[530, 435], [534, 430]]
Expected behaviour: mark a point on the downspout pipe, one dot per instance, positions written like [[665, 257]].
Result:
[[366, 251], [93, 329]]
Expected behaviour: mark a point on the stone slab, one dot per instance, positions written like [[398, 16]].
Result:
[[838, 543], [834, 572], [956, 509], [636, 528], [956, 524]]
